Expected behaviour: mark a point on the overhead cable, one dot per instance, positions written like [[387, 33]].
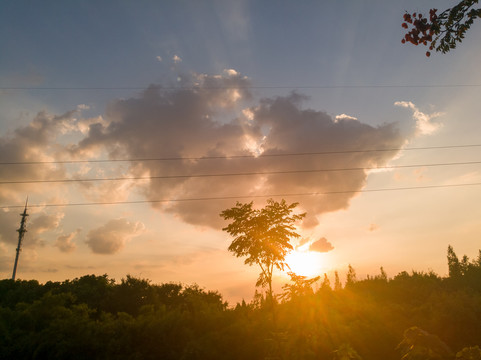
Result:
[[281, 172], [237, 197], [266, 87], [328, 152]]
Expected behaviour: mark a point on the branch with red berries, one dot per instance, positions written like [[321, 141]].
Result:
[[441, 32]]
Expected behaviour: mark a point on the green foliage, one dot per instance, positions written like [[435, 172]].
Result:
[[337, 281], [141, 320], [464, 271], [262, 235], [351, 277], [421, 345], [346, 352], [454, 265], [469, 353], [444, 31], [326, 283], [300, 286]]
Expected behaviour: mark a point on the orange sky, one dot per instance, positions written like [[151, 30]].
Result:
[[217, 102]]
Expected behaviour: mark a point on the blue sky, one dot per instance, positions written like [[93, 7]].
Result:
[[86, 65]]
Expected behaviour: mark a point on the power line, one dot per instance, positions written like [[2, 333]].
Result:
[[243, 196], [236, 174], [267, 87], [236, 156]]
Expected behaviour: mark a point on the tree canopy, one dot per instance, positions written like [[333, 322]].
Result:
[[413, 315], [262, 235], [444, 31]]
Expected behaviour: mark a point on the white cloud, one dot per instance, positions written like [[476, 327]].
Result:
[[83, 107], [159, 58], [185, 123], [83, 125], [231, 72], [37, 141], [344, 117], [210, 120], [424, 125], [112, 237], [176, 59]]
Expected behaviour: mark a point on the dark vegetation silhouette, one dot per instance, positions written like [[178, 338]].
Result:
[[441, 32], [415, 315]]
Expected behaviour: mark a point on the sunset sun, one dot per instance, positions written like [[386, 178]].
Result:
[[305, 263]]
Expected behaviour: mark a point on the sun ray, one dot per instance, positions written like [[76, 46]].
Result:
[[305, 263]]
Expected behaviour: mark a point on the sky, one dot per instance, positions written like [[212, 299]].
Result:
[[205, 103]]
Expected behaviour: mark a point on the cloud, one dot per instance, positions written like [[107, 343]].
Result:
[[112, 237], [39, 224], [302, 242], [159, 58], [344, 117], [176, 59], [9, 223], [292, 129], [83, 107], [373, 227], [65, 242], [321, 245], [36, 224], [424, 125], [211, 120], [213, 123], [34, 142], [45, 222], [231, 72]]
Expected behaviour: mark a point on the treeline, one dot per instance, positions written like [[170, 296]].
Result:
[[414, 315]]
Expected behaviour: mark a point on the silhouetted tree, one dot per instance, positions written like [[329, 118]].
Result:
[[454, 266], [441, 32], [93, 317], [262, 235], [383, 275], [478, 260], [301, 286], [351, 276], [326, 284], [337, 281]]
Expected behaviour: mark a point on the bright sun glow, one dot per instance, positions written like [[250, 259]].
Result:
[[305, 263]]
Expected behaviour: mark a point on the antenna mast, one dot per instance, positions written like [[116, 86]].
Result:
[[21, 233]]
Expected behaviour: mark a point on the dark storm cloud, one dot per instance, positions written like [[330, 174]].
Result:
[[193, 123]]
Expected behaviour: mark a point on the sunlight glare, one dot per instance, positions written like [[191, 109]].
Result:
[[305, 263]]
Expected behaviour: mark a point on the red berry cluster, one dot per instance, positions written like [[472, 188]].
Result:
[[422, 29]]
